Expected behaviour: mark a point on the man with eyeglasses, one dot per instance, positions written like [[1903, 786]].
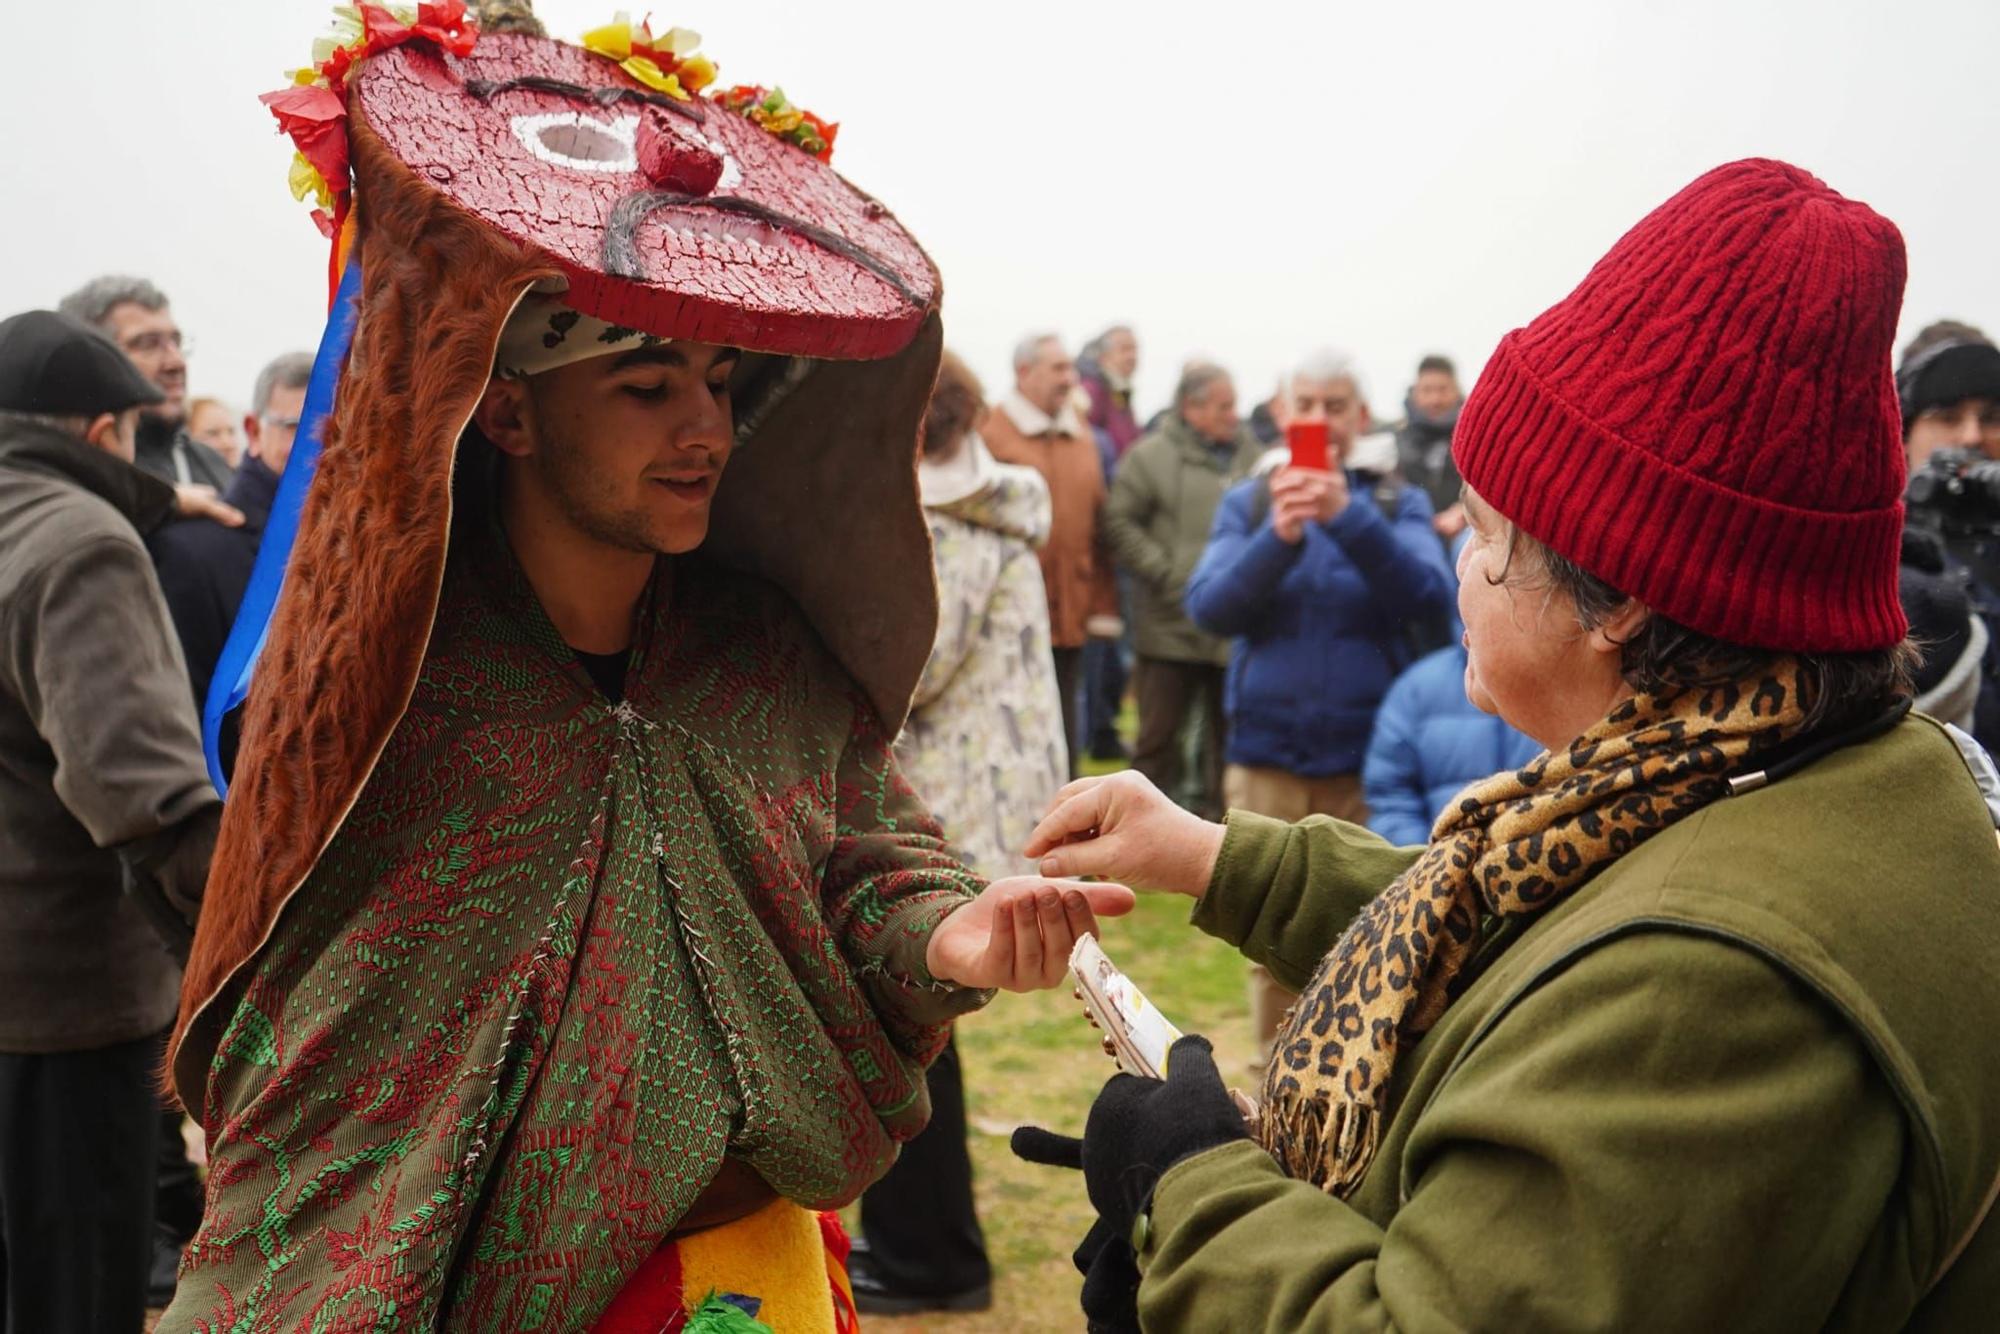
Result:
[[134, 314], [204, 567]]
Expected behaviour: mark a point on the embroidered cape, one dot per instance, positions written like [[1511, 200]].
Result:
[[560, 958]]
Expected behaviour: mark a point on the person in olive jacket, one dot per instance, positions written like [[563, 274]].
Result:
[[1686, 1025], [107, 821], [1162, 504]]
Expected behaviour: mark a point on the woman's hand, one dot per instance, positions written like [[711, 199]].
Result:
[[1018, 933], [1125, 829]]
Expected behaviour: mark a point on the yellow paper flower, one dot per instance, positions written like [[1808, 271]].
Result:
[[614, 39], [646, 72], [696, 73], [306, 180]]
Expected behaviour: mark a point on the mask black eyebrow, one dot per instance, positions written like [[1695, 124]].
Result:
[[621, 233], [487, 89]]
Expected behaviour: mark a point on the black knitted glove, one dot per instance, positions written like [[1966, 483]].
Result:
[[1138, 1128]]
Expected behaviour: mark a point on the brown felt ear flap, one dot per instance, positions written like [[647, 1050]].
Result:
[[348, 634], [821, 498]]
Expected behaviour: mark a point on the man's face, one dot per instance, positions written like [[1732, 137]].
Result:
[[272, 434], [1212, 412], [1435, 395], [629, 449], [1970, 423], [153, 341], [1334, 400], [1049, 379], [1120, 354]]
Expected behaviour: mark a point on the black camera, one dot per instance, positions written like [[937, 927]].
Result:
[[1956, 494]]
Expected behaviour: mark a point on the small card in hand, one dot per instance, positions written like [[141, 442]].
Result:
[[1138, 1034]]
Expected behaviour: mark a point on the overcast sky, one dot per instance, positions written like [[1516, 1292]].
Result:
[[1244, 181]]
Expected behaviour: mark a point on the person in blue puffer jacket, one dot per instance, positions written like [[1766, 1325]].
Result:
[[1319, 576], [1430, 742]]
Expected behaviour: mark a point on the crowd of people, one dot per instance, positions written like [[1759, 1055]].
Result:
[[611, 850]]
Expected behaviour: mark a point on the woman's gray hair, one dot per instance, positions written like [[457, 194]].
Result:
[[93, 302]]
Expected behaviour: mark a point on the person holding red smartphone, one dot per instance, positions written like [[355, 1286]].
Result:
[[1319, 574]]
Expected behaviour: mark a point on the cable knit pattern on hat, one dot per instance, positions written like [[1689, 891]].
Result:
[[1709, 421]]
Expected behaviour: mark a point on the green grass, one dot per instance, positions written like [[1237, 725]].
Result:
[[1036, 1060]]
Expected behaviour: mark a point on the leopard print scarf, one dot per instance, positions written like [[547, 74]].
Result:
[[1510, 846]]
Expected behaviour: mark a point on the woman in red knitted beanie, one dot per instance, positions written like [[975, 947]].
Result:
[[1686, 1024]]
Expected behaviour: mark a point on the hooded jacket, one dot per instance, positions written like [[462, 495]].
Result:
[[984, 745], [103, 780], [1429, 742]]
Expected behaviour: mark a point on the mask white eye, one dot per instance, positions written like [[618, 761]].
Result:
[[579, 142]]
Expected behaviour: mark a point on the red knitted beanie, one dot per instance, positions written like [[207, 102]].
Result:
[[1709, 422]]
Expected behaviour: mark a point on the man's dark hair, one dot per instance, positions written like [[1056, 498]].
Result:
[[1841, 690], [1435, 362], [293, 370], [93, 302]]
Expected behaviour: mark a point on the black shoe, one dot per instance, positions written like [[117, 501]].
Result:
[[165, 1273], [875, 1295]]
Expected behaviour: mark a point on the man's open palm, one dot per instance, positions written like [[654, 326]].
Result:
[[1017, 935]]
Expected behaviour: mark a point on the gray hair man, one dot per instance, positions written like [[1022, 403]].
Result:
[[134, 314], [1039, 424], [1162, 504]]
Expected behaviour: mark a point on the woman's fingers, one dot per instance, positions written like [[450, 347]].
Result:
[[1052, 917], [1071, 816]]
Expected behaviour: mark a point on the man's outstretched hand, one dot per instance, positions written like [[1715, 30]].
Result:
[[1018, 933]]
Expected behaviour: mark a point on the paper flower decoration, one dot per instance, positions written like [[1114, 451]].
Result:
[[313, 110], [668, 63], [771, 109]]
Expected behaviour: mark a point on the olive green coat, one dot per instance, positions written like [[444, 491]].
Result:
[[1162, 505], [1745, 1079]]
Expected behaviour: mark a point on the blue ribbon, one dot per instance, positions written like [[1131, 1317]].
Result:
[[231, 683]]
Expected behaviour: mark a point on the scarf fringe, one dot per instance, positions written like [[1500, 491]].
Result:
[[1329, 1142]]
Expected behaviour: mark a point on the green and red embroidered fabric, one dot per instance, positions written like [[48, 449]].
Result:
[[560, 958]]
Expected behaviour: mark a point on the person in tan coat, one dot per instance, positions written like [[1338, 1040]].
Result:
[[1037, 424]]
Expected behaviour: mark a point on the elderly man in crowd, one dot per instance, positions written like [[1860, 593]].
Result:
[[1038, 424], [134, 314], [1162, 505], [1319, 577], [107, 820]]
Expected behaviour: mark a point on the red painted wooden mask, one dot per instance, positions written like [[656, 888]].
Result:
[[682, 219]]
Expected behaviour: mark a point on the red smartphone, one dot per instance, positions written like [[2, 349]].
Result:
[[1308, 442]]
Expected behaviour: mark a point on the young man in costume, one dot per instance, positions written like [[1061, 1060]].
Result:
[[575, 937]]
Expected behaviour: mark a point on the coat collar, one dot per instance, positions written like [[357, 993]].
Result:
[[1031, 421], [142, 498]]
